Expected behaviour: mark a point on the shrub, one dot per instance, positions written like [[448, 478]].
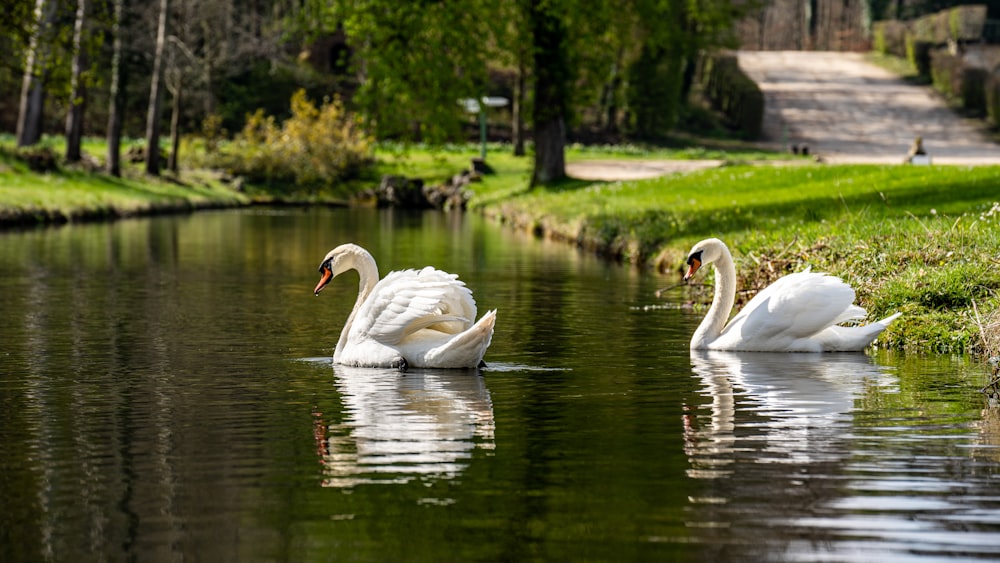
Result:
[[992, 92], [890, 37], [313, 147], [653, 93], [959, 82], [919, 54], [733, 93], [974, 90], [946, 70]]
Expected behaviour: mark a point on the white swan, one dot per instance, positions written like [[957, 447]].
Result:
[[797, 313], [411, 318]]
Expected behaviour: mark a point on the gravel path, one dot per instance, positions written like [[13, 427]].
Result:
[[848, 110], [843, 108], [614, 170]]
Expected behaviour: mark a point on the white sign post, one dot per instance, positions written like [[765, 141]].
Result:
[[473, 105]]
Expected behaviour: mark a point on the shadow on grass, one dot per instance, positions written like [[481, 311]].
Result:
[[654, 228], [569, 184]]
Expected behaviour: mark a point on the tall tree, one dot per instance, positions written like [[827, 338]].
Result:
[[513, 51], [116, 108], [31, 112], [517, 129], [74, 116], [552, 79], [177, 62], [156, 95]]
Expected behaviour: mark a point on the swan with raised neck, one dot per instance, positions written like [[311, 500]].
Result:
[[410, 318], [800, 312]]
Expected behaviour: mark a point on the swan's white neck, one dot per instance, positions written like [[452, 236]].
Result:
[[364, 263], [722, 303]]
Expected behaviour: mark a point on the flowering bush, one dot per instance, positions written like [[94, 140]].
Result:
[[315, 146]]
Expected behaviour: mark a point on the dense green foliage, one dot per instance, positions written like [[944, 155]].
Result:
[[734, 93], [416, 60]]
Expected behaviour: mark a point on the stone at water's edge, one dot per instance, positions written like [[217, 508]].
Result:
[[413, 193]]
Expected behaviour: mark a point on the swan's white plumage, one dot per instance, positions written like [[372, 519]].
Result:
[[423, 317], [800, 312]]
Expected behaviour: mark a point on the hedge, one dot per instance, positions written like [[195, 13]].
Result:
[[733, 93]]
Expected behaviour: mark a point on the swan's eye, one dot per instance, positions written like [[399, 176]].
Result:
[[694, 257], [324, 266]]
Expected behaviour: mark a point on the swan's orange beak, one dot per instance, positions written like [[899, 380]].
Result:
[[693, 265], [327, 276]]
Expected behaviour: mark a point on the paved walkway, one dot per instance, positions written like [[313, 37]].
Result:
[[843, 108], [848, 110], [615, 170]]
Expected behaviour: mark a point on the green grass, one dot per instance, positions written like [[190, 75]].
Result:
[[921, 240], [69, 193]]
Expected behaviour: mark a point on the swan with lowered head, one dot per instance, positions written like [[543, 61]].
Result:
[[799, 312], [411, 318]]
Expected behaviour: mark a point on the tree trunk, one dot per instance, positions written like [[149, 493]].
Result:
[[117, 94], [155, 95], [550, 152], [74, 117], [611, 93], [30, 114], [517, 106], [551, 92], [175, 128], [209, 69]]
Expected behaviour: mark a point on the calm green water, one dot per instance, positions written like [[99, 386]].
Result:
[[166, 394]]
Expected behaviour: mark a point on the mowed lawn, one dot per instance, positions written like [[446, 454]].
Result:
[[924, 240]]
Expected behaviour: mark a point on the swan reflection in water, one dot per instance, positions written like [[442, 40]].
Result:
[[780, 407], [400, 426], [769, 442]]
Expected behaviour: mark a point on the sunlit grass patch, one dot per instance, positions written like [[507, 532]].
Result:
[[921, 240], [69, 192]]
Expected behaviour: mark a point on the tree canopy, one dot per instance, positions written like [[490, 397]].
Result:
[[570, 68]]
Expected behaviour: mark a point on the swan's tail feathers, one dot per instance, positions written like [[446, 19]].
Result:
[[885, 322], [854, 338], [872, 330], [466, 350]]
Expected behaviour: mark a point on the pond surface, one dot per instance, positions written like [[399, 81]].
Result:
[[166, 393]]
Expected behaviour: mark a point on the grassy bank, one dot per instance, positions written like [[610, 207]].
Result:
[[921, 240], [78, 193]]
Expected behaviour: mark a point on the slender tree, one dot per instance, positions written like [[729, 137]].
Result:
[[517, 105], [117, 92], [156, 95], [176, 96], [30, 114], [74, 116]]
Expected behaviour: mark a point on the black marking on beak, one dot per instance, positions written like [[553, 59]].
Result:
[[693, 262], [327, 274]]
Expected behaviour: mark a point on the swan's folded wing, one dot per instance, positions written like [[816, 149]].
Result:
[[797, 306], [407, 301], [454, 297]]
